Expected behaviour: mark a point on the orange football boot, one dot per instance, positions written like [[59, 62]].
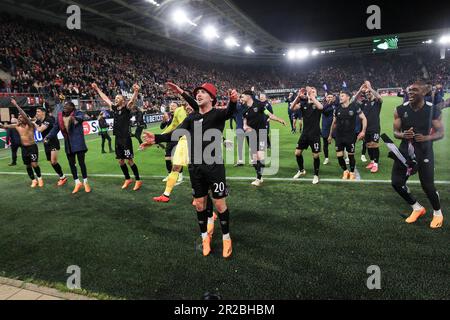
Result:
[[227, 248], [437, 222], [137, 185], [416, 215], [77, 188], [126, 184]]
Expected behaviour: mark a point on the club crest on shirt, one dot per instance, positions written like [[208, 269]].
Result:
[[255, 109], [351, 113], [405, 115]]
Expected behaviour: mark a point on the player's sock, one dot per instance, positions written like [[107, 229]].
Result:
[[125, 172], [325, 148], [171, 182], [371, 155], [342, 163], [169, 166], [58, 170], [30, 172], [38, 172], [316, 166], [260, 168], [203, 222], [351, 158], [300, 162], [225, 222], [85, 180], [437, 213], [226, 237], [210, 209], [364, 149], [77, 181], [135, 170], [417, 206], [376, 155]]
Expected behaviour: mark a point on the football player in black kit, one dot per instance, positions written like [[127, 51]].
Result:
[[310, 137], [44, 124], [122, 132], [255, 127], [344, 123], [371, 107], [418, 123], [205, 176]]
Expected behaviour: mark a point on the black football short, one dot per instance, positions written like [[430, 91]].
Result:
[[305, 142], [30, 154], [124, 148], [208, 177], [50, 147], [345, 144], [297, 114], [372, 137]]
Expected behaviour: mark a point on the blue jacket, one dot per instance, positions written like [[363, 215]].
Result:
[[74, 141], [270, 109], [327, 118], [13, 137], [239, 116], [438, 96]]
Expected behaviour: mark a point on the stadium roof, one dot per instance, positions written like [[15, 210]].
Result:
[[152, 25]]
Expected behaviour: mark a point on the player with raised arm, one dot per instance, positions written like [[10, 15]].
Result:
[[371, 107], [205, 176], [176, 151], [70, 123], [30, 152], [310, 137], [44, 124], [122, 132], [255, 127]]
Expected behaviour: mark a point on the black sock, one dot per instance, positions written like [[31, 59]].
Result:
[[325, 147], [38, 171], [125, 172], [225, 221], [316, 166], [351, 158], [371, 155], [169, 166], [364, 148], [135, 170], [259, 170], [30, 172], [376, 155], [256, 166], [209, 207], [58, 170], [203, 221], [300, 162], [342, 163]]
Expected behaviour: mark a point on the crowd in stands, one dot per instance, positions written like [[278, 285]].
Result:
[[54, 61]]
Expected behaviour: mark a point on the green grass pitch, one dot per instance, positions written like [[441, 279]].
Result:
[[292, 240]]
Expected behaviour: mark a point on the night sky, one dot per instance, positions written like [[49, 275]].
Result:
[[321, 20]]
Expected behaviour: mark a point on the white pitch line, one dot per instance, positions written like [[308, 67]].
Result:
[[442, 182]]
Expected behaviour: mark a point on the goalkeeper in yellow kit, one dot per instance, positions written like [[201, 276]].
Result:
[[180, 158]]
